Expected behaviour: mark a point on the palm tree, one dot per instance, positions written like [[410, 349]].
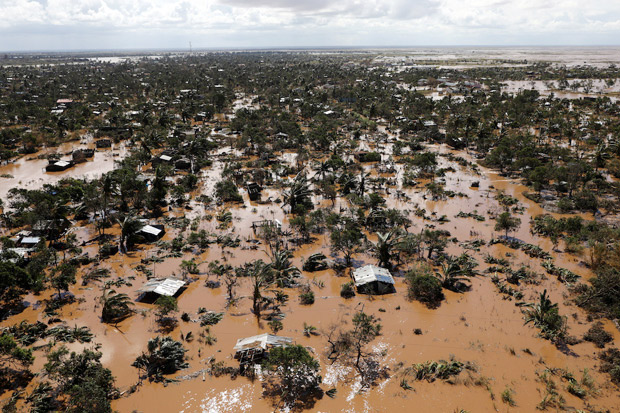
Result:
[[283, 269], [108, 189], [260, 274], [129, 226], [545, 315], [116, 307], [298, 194], [386, 245], [453, 275]]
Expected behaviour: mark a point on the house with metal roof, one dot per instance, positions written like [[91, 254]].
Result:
[[168, 287], [59, 166], [371, 279], [152, 232], [251, 350]]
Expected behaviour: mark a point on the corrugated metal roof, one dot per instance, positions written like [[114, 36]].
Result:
[[263, 341], [30, 240], [62, 163], [165, 158], [371, 273], [149, 229], [167, 287]]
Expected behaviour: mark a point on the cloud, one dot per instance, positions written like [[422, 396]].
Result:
[[57, 24]]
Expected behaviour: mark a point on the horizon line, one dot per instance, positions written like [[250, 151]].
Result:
[[294, 48]]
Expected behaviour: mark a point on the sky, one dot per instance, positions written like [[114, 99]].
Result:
[[58, 25]]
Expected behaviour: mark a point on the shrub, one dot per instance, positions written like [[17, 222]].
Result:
[[610, 363], [597, 335], [424, 287], [347, 290], [226, 191], [164, 356], [307, 298]]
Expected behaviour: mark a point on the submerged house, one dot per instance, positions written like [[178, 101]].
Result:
[[51, 228], [371, 279], [152, 232], [168, 287], [103, 143], [254, 191], [80, 155], [251, 350], [59, 166]]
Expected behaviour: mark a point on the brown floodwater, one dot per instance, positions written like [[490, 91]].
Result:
[[29, 171], [479, 326]]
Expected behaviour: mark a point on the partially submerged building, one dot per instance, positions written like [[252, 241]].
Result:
[[251, 350], [168, 287], [152, 232], [254, 191], [371, 279], [103, 143], [59, 166]]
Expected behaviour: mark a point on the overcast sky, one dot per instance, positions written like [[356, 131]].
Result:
[[31, 25]]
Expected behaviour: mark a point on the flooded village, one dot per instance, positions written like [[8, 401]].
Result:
[[335, 231]]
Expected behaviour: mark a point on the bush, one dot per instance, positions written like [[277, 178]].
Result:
[[307, 298], [347, 290], [585, 201], [610, 363], [565, 204], [164, 356], [226, 191], [424, 287], [597, 335]]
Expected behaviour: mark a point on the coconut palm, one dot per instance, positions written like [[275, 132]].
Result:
[[298, 194], [130, 225], [116, 307], [283, 270], [386, 247], [453, 275], [260, 273]]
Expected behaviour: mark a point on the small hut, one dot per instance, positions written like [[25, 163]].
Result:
[[59, 166], [251, 350], [254, 191], [152, 232], [168, 287], [371, 279], [103, 143]]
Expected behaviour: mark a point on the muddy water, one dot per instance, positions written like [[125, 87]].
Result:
[[29, 171], [478, 327]]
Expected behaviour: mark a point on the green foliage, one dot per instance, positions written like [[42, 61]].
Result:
[[307, 297], [597, 335], [116, 306], [297, 380], [164, 356], [210, 318], [70, 335], [603, 295], [423, 286], [506, 222], [88, 386], [226, 191], [165, 306], [63, 277], [545, 315], [610, 363], [275, 326], [433, 370], [347, 290], [508, 397]]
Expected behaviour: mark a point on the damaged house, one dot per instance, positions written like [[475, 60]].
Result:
[[371, 279]]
